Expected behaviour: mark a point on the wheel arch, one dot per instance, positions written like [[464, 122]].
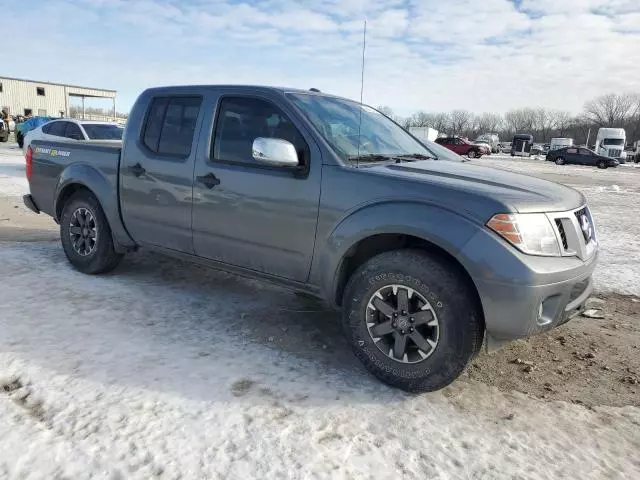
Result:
[[82, 177], [361, 236]]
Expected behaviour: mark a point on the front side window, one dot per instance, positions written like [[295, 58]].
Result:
[[100, 131], [572, 150], [171, 125], [356, 130], [243, 119]]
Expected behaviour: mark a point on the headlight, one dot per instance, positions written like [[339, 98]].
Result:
[[531, 233]]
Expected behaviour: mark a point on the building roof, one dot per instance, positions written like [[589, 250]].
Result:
[[59, 84]]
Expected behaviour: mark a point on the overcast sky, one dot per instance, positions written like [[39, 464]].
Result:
[[481, 55]]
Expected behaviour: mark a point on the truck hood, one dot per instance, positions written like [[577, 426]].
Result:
[[515, 192]]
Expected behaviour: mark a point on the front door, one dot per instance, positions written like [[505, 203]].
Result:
[[156, 174], [587, 157], [250, 215], [572, 156]]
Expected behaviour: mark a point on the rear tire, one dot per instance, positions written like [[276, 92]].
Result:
[[560, 161], [86, 235], [451, 303]]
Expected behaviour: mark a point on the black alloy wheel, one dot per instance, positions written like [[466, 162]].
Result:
[[83, 231], [402, 324]]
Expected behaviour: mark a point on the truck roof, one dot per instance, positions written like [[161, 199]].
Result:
[[249, 88]]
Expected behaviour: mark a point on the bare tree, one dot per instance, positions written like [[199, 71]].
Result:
[[489, 123], [545, 121], [563, 121], [460, 121], [420, 119], [610, 110], [521, 120]]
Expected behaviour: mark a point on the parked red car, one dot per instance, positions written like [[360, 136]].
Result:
[[463, 147]]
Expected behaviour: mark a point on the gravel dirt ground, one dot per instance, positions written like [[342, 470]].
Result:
[[168, 369]]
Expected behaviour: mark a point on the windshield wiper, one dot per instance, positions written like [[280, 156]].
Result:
[[414, 156], [371, 157]]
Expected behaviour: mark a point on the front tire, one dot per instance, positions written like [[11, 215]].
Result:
[[86, 236], [412, 320], [472, 154], [602, 164]]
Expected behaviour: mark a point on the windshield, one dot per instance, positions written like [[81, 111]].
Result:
[[100, 131], [614, 141], [337, 120]]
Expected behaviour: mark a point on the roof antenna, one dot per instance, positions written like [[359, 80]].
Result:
[[364, 45]]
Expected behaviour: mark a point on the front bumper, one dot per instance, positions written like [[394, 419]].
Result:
[[523, 295]]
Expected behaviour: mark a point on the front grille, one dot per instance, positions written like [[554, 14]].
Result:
[[585, 223], [615, 153], [563, 234]]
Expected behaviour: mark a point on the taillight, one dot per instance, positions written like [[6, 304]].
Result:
[[29, 162]]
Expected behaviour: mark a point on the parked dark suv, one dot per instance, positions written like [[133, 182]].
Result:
[[580, 156], [463, 147]]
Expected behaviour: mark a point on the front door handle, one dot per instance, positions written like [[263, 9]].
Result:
[[137, 169], [210, 180]]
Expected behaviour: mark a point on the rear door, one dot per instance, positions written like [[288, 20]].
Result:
[[156, 173], [247, 214], [460, 147]]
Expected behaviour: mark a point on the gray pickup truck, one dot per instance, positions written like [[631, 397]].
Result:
[[426, 258]]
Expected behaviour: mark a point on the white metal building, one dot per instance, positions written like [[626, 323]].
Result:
[[23, 97]]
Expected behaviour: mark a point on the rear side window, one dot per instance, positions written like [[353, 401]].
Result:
[[171, 124], [154, 123]]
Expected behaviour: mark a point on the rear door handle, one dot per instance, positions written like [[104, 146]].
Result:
[[210, 180], [137, 169]]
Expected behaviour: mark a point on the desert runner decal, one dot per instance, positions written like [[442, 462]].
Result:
[[54, 152]]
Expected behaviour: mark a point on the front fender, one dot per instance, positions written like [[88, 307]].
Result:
[[446, 229], [105, 191]]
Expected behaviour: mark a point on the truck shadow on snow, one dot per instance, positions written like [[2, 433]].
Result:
[[243, 316], [175, 328], [264, 313]]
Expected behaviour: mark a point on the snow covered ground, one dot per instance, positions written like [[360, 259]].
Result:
[[168, 369]]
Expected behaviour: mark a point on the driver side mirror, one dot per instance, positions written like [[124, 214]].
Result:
[[275, 152]]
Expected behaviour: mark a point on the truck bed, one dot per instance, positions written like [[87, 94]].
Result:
[[55, 163]]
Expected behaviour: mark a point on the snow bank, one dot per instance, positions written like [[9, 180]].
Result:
[[12, 176], [162, 369]]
